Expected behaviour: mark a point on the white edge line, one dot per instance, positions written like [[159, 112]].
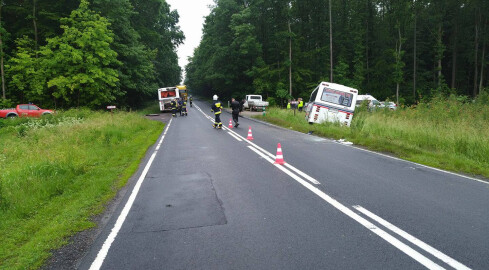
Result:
[[345, 210], [450, 261], [418, 164], [104, 250]]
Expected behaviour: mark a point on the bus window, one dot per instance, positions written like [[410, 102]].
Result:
[[314, 95]]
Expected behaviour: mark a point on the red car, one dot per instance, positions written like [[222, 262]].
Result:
[[25, 110]]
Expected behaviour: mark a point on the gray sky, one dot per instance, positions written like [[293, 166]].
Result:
[[192, 13]]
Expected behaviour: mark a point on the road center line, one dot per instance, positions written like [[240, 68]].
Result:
[[301, 173], [345, 210], [99, 260], [342, 208], [453, 263], [234, 136]]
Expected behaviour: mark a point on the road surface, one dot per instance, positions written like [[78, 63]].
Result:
[[210, 199]]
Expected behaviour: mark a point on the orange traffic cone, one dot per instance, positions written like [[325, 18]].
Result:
[[279, 159], [250, 136], [230, 124]]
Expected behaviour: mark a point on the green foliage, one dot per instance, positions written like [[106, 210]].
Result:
[[76, 162], [373, 47], [446, 133], [68, 59], [79, 63]]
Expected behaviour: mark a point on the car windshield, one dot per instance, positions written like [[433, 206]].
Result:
[[375, 102], [255, 97]]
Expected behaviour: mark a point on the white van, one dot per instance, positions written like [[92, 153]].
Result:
[[331, 102], [372, 102]]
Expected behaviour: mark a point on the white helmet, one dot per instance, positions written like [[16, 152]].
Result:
[[214, 97]]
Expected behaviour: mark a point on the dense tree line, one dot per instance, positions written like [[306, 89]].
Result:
[[403, 49], [87, 53]]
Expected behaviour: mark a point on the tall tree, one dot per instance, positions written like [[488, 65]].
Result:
[[79, 64]]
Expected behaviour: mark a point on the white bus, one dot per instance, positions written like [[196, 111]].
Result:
[[166, 95], [331, 102]]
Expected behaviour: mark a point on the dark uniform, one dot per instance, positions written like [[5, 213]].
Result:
[[191, 100], [174, 108], [216, 108], [180, 104], [184, 108], [235, 106]]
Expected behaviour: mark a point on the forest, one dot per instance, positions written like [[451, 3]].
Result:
[[63, 53], [404, 51]]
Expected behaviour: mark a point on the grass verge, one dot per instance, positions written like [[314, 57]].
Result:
[[445, 134], [55, 173]]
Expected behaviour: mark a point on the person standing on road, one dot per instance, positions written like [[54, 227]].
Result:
[[216, 109], [191, 100], [184, 108], [173, 108], [180, 105], [235, 106]]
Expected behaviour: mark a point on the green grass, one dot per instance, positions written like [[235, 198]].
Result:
[[57, 172], [447, 134]]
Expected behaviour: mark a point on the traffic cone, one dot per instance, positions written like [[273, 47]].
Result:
[[250, 136], [230, 123], [279, 159]]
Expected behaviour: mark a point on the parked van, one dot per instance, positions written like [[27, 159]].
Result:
[[372, 102], [331, 102]]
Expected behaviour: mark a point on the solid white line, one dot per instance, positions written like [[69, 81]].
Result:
[[383, 234], [345, 210], [234, 136], [99, 260], [301, 173], [418, 164], [453, 263]]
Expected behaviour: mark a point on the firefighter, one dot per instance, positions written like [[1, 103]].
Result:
[[180, 104], [173, 108], [184, 108], [191, 100], [216, 109]]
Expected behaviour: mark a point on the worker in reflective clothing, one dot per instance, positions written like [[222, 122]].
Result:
[[191, 100], [174, 108], [301, 105], [216, 109], [184, 108]]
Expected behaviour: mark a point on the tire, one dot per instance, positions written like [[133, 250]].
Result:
[[12, 116]]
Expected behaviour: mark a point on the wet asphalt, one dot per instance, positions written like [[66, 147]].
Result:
[[209, 202]]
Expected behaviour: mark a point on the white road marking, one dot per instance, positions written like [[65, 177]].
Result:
[[301, 173], [418, 164], [453, 263], [345, 210], [342, 208], [234, 136], [99, 260]]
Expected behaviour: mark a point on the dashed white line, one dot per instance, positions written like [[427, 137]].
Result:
[[99, 260], [453, 263]]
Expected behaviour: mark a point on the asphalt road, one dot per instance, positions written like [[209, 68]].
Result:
[[205, 200]]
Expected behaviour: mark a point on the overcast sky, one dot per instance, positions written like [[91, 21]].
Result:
[[192, 13]]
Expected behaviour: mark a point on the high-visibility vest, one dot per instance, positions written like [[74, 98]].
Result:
[[301, 104], [288, 105]]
